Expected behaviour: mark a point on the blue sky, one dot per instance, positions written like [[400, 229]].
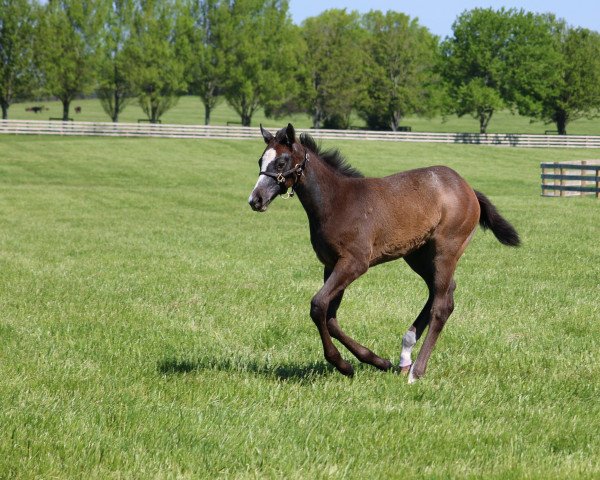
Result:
[[438, 15]]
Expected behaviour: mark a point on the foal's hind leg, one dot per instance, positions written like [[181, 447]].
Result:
[[421, 261], [441, 308], [362, 353]]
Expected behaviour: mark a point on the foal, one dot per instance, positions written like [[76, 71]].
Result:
[[426, 216]]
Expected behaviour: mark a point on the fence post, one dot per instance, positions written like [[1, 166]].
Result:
[[583, 182], [543, 180]]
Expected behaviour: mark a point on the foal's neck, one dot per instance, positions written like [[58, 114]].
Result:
[[316, 191]]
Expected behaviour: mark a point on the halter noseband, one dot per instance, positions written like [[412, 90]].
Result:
[[281, 177]]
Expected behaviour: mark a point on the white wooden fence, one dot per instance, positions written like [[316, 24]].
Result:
[[36, 127]]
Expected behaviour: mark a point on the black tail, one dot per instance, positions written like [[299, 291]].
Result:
[[490, 218]]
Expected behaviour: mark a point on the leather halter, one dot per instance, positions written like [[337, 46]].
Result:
[[281, 177]]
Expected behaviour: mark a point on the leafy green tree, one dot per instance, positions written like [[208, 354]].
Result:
[[335, 63], [531, 62], [261, 57], [572, 86], [17, 23], [67, 41], [114, 88], [155, 70], [200, 29], [473, 63], [400, 71]]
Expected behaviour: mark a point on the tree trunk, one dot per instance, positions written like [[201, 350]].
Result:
[[395, 121], [484, 120], [206, 114], [316, 119], [246, 119], [117, 106], [4, 110], [66, 104], [561, 122]]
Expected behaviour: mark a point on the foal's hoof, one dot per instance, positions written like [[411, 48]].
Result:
[[405, 370], [412, 375], [384, 365], [346, 369]]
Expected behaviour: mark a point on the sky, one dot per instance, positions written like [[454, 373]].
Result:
[[438, 15]]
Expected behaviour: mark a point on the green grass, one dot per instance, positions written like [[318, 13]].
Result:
[[189, 110], [153, 326]]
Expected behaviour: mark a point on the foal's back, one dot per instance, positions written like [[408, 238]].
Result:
[[408, 209]]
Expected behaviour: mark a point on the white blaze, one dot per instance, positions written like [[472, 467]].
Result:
[[266, 160]]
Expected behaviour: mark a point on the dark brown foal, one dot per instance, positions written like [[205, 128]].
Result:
[[427, 216]]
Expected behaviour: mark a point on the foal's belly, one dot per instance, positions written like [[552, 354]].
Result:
[[398, 247], [371, 252]]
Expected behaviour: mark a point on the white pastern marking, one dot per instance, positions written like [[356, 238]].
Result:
[[408, 342], [411, 377], [266, 160]]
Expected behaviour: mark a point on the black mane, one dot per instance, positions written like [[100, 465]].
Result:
[[332, 157]]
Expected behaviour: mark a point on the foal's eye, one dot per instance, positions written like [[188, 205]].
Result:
[[281, 163]]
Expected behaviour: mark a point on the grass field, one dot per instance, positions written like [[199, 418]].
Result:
[[153, 326], [189, 110]]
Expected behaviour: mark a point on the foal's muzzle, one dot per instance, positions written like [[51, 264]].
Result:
[[256, 202], [261, 197]]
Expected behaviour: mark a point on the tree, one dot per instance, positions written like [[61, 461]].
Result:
[[335, 61], [17, 23], [574, 91], [156, 73], [67, 38], [531, 61], [473, 63], [200, 29], [261, 59], [402, 58], [114, 87]]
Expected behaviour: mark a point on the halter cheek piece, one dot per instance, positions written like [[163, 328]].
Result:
[[281, 177]]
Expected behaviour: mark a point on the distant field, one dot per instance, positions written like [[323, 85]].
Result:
[[190, 110], [153, 326]]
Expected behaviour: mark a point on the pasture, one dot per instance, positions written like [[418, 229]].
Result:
[[153, 326], [189, 110]]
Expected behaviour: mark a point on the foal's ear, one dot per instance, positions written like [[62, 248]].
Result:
[[268, 136], [290, 133]]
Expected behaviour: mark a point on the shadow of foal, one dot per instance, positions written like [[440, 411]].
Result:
[[286, 372], [426, 216]]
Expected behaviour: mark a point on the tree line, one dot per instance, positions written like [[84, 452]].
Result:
[[249, 53]]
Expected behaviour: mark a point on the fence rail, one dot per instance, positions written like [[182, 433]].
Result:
[[565, 179], [36, 127]]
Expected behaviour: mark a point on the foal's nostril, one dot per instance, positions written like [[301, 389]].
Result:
[[255, 201]]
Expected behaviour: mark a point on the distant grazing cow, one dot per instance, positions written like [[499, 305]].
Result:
[[78, 109], [37, 109]]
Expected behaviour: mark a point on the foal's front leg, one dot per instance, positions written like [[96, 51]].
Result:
[[344, 273], [359, 351]]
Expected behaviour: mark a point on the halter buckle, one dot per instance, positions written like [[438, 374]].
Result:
[[288, 194]]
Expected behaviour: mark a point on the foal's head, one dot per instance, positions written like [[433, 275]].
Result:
[[280, 166]]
